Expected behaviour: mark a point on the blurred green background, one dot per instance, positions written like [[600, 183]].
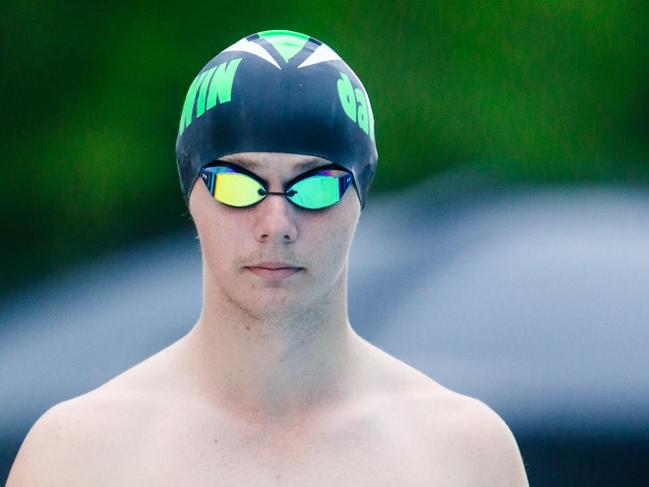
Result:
[[553, 91]]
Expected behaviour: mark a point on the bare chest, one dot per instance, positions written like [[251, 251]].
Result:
[[380, 450]]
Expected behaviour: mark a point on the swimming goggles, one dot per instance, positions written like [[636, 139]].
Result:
[[238, 187]]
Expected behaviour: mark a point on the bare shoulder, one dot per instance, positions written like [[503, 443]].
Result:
[[35, 459], [460, 434], [53, 451], [467, 438], [482, 446], [76, 441]]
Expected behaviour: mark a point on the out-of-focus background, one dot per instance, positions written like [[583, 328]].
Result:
[[510, 208]]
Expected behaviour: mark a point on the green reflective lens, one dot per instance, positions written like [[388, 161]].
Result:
[[316, 192], [236, 189]]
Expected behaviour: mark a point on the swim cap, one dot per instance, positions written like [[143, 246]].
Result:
[[277, 91]]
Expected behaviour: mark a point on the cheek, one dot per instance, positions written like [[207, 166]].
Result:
[[328, 245], [218, 239]]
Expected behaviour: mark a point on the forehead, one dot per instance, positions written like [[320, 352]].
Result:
[[258, 161]]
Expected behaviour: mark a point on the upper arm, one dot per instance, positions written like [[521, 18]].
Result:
[[44, 458]]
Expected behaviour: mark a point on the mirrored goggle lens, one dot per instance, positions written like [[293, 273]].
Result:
[[319, 191], [232, 188], [236, 189]]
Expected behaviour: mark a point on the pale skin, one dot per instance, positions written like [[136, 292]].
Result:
[[271, 386]]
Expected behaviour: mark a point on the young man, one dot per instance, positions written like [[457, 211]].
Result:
[[272, 386]]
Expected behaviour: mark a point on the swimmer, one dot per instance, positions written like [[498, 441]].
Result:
[[272, 386]]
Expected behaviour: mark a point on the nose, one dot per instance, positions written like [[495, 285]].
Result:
[[276, 219]]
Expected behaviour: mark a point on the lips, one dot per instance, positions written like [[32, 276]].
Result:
[[274, 265], [274, 270]]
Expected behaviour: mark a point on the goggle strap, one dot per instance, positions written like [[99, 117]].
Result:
[[207, 177], [343, 182]]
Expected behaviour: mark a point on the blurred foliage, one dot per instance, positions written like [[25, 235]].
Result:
[[553, 91]]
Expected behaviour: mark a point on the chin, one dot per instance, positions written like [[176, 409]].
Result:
[[264, 297], [264, 304]]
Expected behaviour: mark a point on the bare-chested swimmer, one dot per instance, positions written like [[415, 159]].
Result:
[[272, 386]]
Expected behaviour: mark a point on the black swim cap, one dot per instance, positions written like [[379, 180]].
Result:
[[277, 91]]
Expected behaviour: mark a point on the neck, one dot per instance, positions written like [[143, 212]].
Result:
[[272, 362]]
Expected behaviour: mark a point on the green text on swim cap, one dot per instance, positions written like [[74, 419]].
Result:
[[356, 105], [212, 85]]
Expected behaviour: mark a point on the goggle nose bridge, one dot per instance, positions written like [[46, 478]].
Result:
[[262, 192]]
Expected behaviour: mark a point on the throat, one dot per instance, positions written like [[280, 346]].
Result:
[[272, 380]]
